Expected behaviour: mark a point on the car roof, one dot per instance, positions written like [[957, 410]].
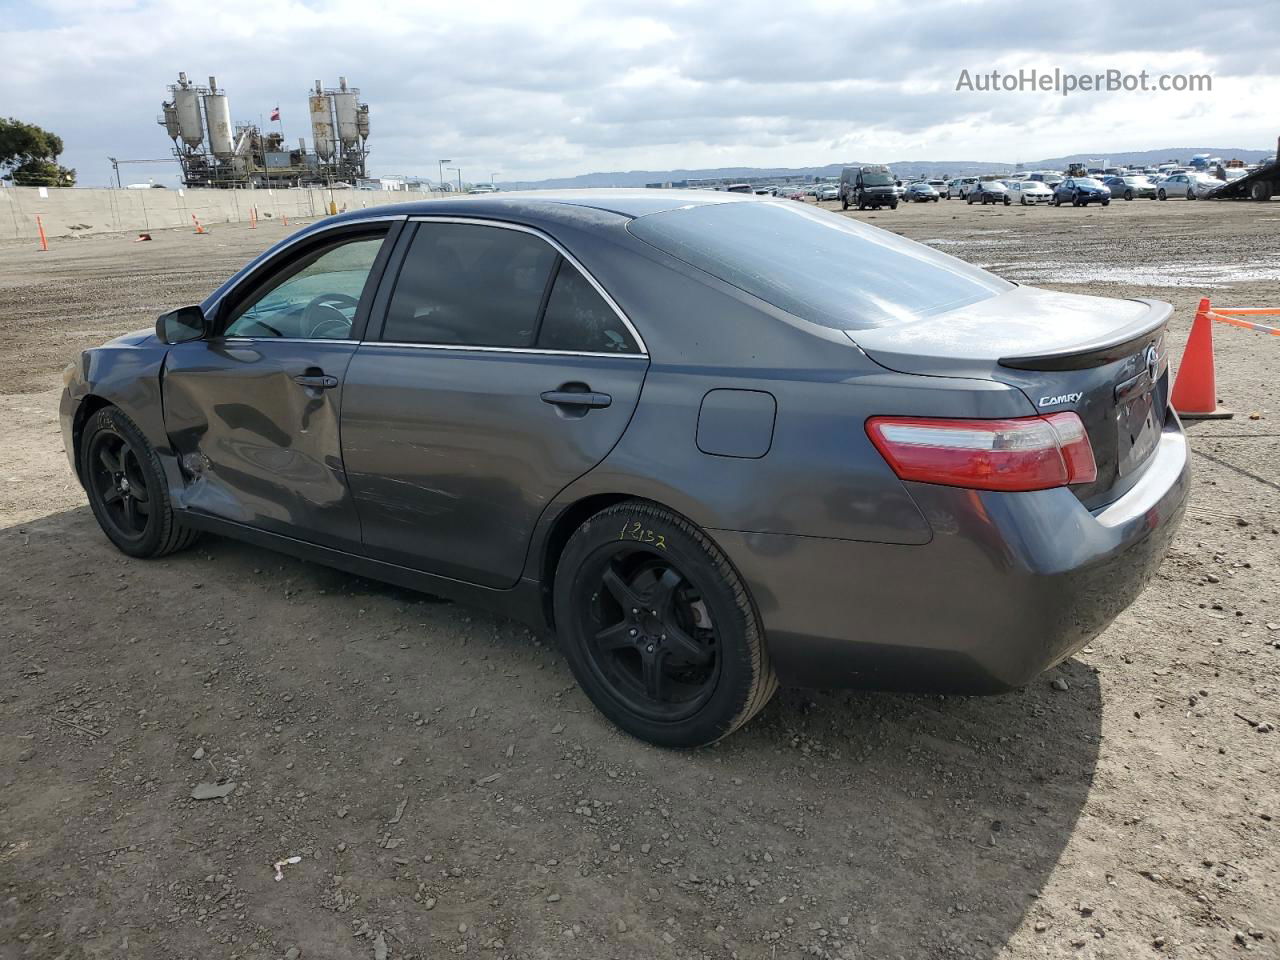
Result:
[[629, 203]]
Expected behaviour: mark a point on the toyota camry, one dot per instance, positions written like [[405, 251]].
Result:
[[715, 442]]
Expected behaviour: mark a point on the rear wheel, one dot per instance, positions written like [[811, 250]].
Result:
[[659, 629], [1191, 194], [127, 489], [1128, 194], [1162, 195]]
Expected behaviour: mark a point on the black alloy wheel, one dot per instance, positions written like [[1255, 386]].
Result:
[[118, 483], [653, 642], [658, 628], [127, 489]]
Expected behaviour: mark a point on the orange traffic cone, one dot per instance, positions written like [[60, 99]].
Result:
[[1195, 395], [199, 229]]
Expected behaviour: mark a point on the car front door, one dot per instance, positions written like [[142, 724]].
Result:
[[252, 410], [501, 373]]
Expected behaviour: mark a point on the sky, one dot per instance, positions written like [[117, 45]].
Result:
[[533, 90]]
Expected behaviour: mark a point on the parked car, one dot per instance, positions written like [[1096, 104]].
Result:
[[828, 191], [1080, 192], [1187, 186], [940, 186], [920, 192], [872, 186], [499, 400], [796, 193], [1027, 192], [1050, 180], [1130, 187], [739, 188], [989, 191], [961, 186]]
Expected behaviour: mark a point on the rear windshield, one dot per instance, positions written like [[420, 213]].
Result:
[[819, 266]]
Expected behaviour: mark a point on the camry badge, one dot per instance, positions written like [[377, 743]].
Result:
[[1060, 398]]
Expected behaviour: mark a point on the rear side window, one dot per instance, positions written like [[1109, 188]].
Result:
[[470, 285], [579, 319], [819, 266]]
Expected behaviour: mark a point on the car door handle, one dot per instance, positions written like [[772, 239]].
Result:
[[316, 381], [574, 398]]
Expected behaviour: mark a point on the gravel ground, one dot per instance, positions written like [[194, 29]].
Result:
[[449, 791]]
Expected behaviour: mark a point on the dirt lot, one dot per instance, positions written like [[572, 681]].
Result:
[[450, 792]]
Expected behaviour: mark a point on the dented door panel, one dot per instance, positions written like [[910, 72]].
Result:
[[255, 445]]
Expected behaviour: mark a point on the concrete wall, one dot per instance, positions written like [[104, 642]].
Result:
[[78, 212]]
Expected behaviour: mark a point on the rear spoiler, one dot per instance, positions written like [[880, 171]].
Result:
[[1124, 342]]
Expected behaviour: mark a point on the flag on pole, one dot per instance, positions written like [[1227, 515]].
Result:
[[275, 114]]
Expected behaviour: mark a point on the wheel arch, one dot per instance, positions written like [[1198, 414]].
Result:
[[88, 406], [569, 519]]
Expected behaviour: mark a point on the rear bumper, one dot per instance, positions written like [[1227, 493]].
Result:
[[1010, 585]]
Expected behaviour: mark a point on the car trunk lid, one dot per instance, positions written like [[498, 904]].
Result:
[[1101, 358]]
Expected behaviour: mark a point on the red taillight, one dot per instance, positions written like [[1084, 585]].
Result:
[[1027, 453]]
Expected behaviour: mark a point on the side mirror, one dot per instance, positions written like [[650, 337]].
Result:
[[182, 325]]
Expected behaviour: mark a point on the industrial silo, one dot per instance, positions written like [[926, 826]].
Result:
[[322, 131], [347, 111], [186, 104], [171, 125], [362, 121], [217, 112]]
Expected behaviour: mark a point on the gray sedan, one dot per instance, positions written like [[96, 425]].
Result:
[[715, 442]]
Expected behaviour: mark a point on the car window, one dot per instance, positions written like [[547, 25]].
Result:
[[314, 297], [470, 285], [579, 319], [822, 267]]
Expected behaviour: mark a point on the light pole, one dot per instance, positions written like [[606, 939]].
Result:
[[441, 164], [458, 171], [492, 177]]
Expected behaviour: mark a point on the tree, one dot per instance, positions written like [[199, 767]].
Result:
[[29, 156]]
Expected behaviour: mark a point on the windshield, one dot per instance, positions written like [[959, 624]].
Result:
[[1087, 182], [823, 267], [877, 180]]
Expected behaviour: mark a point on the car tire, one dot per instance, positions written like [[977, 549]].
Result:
[[1191, 194], [844, 202], [969, 199], [894, 205], [1007, 201], [616, 570], [127, 488], [1128, 194], [1106, 203], [1162, 195]]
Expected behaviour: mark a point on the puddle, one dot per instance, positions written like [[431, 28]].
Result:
[[1165, 275]]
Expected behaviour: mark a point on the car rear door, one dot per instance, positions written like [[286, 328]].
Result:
[[252, 410], [497, 374]]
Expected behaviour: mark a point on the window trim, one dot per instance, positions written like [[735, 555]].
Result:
[[270, 263], [382, 299]]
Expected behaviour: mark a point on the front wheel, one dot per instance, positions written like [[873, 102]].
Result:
[[844, 202], [1191, 194], [1106, 203], [1128, 194], [1007, 201], [659, 629], [1162, 195], [127, 489]]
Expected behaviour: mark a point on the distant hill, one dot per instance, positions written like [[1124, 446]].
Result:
[[907, 168]]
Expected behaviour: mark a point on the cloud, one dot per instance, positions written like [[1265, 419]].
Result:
[[562, 88]]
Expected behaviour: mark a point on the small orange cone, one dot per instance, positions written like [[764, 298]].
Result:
[[199, 229], [1195, 395], [286, 219]]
